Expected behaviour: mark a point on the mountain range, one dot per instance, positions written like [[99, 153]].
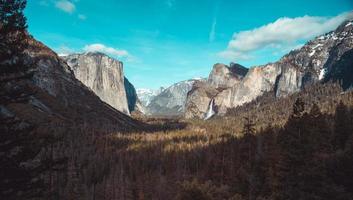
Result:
[[75, 127], [146, 95], [323, 59], [320, 60], [76, 77]]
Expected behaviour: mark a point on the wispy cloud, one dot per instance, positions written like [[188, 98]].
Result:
[[212, 35], [281, 34], [114, 52], [82, 17], [105, 49], [65, 6]]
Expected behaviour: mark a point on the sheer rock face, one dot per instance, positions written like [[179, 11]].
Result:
[[198, 100], [134, 103], [171, 101], [223, 76], [103, 75], [316, 61], [220, 80]]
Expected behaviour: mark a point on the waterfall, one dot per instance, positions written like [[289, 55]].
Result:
[[210, 111]]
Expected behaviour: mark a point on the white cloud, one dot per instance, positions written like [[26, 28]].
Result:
[[212, 35], [65, 6], [82, 17], [110, 51], [281, 34]]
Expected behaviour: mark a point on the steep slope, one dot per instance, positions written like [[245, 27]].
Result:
[[310, 64], [60, 100], [134, 103], [342, 70], [102, 74], [171, 101]]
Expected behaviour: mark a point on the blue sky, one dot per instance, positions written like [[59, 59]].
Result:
[[165, 41]]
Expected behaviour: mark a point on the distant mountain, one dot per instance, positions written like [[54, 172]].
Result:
[[327, 57], [171, 101], [145, 95]]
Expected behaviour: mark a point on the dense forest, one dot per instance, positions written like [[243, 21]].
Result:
[[310, 157], [295, 147]]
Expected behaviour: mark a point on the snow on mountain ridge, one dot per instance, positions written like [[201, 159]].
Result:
[[146, 95]]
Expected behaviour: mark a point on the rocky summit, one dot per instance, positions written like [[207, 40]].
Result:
[[105, 77], [316, 61], [223, 76]]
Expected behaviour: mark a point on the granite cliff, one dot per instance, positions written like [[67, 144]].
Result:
[[317, 61]]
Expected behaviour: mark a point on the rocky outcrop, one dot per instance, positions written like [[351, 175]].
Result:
[[223, 76], [171, 101], [198, 100], [316, 61], [103, 75], [216, 88]]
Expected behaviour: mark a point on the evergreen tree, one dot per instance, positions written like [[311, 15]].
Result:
[[293, 155], [298, 108], [304, 145], [13, 27], [247, 148], [319, 132], [340, 167], [270, 157], [343, 127]]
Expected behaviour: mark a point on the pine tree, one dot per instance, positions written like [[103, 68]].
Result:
[[298, 108], [13, 27], [292, 158], [247, 148], [304, 145], [319, 132], [343, 127], [293, 155]]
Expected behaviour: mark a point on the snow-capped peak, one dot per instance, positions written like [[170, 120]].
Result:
[[145, 95]]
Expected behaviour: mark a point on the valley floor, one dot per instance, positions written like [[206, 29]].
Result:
[[306, 155], [297, 147]]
